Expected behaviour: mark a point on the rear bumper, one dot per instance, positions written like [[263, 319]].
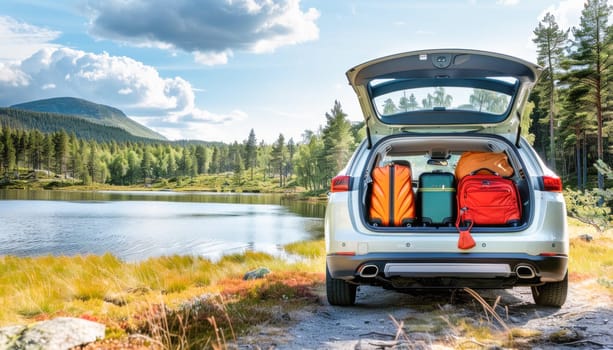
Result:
[[464, 268]]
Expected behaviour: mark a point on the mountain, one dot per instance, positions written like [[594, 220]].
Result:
[[97, 113], [82, 127]]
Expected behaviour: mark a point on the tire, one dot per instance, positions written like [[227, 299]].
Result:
[[339, 292], [551, 293]]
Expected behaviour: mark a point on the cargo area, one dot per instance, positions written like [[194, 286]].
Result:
[[430, 203]]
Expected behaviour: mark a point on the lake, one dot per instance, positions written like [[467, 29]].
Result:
[[137, 225]]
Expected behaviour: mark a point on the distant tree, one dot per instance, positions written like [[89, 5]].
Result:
[[338, 140], [279, 158], [388, 106], [310, 162], [60, 141], [291, 150], [441, 99], [264, 156], [438, 99], [238, 170], [9, 161], [488, 101], [146, 165], [551, 42], [92, 162], [403, 104], [133, 174], [118, 169], [48, 151], [200, 154], [251, 151], [214, 167]]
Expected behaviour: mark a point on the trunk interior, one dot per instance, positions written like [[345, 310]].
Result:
[[433, 191]]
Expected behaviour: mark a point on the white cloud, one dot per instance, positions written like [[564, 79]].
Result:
[[212, 30], [121, 82], [19, 40], [212, 58], [567, 13]]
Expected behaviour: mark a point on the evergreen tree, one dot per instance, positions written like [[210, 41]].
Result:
[[278, 156], [8, 152], [590, 66], [338, 140], [146, 165], [251, 151], [213, 169], [550, 41], [200, 154], [60, 141], [238, 170], [389, 107]]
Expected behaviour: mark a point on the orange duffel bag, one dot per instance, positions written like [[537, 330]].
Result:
[[475, 162]]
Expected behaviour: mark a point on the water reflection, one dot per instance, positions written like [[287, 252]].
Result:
[[138, 225]]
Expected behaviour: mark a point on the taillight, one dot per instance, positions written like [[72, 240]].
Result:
[[552, 184], [340, 183]]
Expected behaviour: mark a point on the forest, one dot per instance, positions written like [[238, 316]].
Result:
[[568, 120]]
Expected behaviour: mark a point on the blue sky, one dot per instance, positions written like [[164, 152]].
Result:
[[214, 69]]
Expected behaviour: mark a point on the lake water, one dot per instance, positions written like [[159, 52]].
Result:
[[137, 225]]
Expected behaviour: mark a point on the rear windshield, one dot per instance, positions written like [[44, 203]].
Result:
[[442, 98]]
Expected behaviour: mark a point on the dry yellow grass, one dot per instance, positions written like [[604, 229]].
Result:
[[106, 288]]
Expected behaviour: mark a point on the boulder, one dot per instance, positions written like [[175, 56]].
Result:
[[61, 333]]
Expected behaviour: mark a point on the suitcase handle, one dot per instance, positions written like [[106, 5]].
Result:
[[487, 169]]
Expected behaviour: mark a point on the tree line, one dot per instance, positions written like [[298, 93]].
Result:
[[314, 160]]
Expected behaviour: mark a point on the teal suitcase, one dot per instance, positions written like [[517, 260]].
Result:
[[436, 199]]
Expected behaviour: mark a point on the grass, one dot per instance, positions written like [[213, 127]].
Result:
[[189, 293]]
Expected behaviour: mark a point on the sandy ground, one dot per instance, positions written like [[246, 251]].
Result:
[[439, 319]]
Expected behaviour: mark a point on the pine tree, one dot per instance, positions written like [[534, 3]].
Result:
[[550, 41], [590, 66], [278, 157], [251, 151], [338, 140]]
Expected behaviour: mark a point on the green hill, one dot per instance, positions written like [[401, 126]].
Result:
[[93, 112], [83, 128]]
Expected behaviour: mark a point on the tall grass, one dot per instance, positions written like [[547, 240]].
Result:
[[113, 291]]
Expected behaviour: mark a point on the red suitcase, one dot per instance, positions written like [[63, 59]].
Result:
[[392, 200], [486, 200]]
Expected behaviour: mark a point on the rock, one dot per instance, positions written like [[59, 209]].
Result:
[[586, 237], [256, 274], [57, 334]]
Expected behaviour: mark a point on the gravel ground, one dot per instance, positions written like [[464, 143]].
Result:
[[432, 319]]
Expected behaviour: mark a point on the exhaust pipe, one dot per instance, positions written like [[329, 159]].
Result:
[[369, 271], [525, 271]]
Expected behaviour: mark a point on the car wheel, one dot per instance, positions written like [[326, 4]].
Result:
[[339, 292], [551, 293]]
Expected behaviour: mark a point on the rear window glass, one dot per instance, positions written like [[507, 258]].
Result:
[[442, 98]]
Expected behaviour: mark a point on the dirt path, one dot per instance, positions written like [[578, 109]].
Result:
[[445, 320]]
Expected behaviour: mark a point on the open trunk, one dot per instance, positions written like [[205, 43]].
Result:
[[439, 154]]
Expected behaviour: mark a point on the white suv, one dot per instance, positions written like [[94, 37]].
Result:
[[428, 108]]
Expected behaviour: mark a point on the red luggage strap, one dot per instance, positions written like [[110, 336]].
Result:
[[465, 241]]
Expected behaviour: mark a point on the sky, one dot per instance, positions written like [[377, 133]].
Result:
[[213, 70]]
